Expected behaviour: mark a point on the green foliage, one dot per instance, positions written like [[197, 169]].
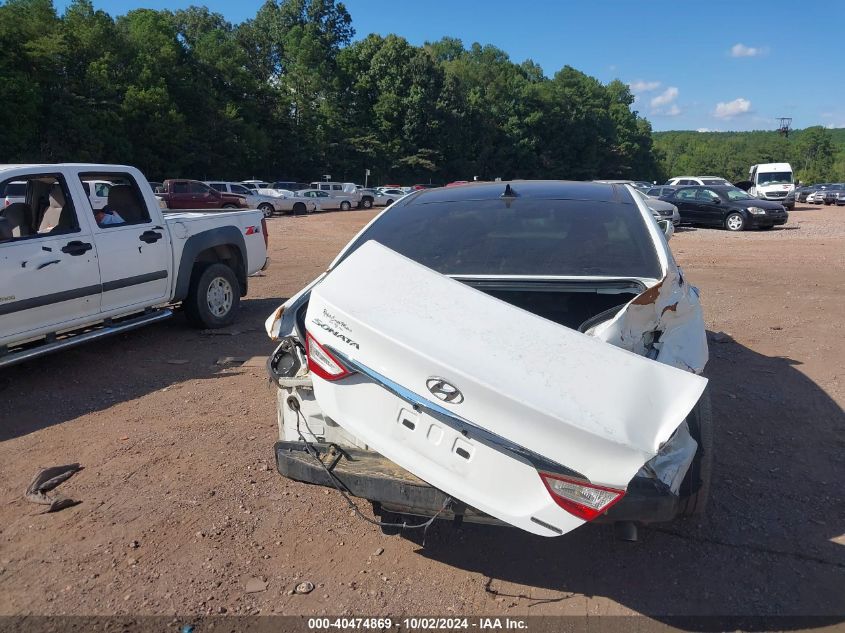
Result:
[[816, 154], [288, 94]]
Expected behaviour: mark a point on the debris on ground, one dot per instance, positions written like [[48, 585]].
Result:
[[304, 587], [46, 480]]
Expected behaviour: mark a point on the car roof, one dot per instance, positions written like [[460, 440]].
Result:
[[536, 189]]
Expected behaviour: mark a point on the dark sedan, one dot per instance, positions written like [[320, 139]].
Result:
[[726, 206]]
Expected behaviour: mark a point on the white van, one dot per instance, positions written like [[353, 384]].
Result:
[[771, 181]]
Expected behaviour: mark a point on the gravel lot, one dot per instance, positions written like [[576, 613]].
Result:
[[183, 513]]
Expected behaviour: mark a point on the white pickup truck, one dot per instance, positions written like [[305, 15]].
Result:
[[70, 272]]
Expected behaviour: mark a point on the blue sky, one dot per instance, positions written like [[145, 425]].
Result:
[[719, 65]]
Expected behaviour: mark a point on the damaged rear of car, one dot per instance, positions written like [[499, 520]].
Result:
[[525, 353]]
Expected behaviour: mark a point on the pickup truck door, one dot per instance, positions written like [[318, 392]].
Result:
[[50, 277], [489, 403], [134, 256]]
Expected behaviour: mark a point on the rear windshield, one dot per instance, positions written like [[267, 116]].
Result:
[[17, 189], [714, 181], [520, 237]]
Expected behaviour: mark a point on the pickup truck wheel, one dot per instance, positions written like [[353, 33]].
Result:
[[230, 206], [299, 208], [700, 421], [345, 206], [367, 203], [213, 297], [267, 209]]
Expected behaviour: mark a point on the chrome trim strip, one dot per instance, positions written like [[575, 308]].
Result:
[[465, 427]]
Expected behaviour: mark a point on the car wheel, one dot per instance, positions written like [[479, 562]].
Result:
[[345, 206], [695, 488], [734, 222], [267, 209], [367, 203], [299, 208], [213, 297], [388, 203], [230, 206]]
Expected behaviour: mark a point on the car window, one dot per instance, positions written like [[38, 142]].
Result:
[[198, 188], [654, 192], [706, 195], [240, 190], [219, 186], [520, 237], [102, 189], [46, 209], [179, 187], [714, 181], [738, 194], [125, 204], [337, 188], [685, 194], [14, 189]]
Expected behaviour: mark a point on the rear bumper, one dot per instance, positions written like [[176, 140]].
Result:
[[368, 475]]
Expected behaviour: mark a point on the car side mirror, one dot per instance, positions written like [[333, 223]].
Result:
[[667, 227]]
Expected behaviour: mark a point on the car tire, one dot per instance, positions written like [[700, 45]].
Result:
[[367, 203], [267, 209], [735, 222], [230, 206], [213, 297], [388, 203], [695, 488], [345, 206], [299, 208]]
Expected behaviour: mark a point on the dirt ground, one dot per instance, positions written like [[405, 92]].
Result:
[[182, 510]]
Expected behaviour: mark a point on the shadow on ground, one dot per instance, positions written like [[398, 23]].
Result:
[[62, 386], [765, 547]]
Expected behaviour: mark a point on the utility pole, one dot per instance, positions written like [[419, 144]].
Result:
[[366, 176]]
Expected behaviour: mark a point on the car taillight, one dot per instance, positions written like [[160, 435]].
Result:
[[265, 233], [580, 498], [321, 361]]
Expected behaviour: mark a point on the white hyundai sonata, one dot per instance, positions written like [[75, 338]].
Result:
[[523, 352]]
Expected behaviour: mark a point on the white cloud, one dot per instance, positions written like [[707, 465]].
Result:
[[643, 86], [674, 110], [665, 98], [741, 50], [733, 108], [704, 129]]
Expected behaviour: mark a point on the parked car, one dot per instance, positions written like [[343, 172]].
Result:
[[193, 194], [727, 207], [831, 193], [155, 186], [386, 197], [817, 195], [840, 198], [344, 192], [74, 273], [268, 201], [801, 193], [325, 200], [425, 186], [290, 201], [661, 209], [697, 180], [13, 192], [456, 361]]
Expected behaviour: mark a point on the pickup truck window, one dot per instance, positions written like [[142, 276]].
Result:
[[198, 187], [124, 202], [220, 186], [179, 187], [44, 209]]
